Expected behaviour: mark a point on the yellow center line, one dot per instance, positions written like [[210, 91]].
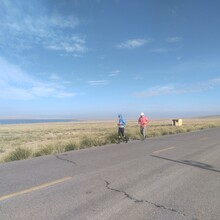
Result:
[[165, 149], [35, 188]]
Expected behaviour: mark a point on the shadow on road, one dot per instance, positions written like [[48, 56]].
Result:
[[190, 163]]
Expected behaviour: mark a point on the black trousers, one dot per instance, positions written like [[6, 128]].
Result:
[[121, 132]]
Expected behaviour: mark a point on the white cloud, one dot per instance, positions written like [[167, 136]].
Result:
[[159, 50], [179, 58], [164, 50], [16, 84], [178, 89], [43, 90], [215, 81], [155, 91], [26, 30], [62, 94], [75, 55], [97, 82], [59, 21], [14, 93], [67, 44], [54, 76], [132, 43], [138, 77], [114, 73], [174, 39]]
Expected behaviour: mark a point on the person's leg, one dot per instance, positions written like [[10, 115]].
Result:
[[120, 133], [123, 135], [142, 132]]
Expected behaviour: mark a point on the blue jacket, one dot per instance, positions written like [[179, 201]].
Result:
[[121, 121]]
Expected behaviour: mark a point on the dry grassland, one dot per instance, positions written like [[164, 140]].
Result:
[[49, 138]]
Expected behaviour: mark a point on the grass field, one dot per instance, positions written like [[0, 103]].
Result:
[[31, 140]]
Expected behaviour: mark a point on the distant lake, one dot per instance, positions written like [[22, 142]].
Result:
[[31, 121]]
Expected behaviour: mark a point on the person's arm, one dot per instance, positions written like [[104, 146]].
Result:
[[146, 121]]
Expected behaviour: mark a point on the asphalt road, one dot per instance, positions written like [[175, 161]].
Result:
[[167, 178]]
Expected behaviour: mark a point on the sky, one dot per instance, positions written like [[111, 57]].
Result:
[[95, 59]]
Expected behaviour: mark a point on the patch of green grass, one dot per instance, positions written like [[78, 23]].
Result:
[[25, 141], [71, 146], [153, 133], [133, 133], [47, 150], [180, 130], [87, 141], [18, 154], [111, 138], [59, 147]]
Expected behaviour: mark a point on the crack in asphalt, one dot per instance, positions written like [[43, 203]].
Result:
[[142, 201], [67, 160]]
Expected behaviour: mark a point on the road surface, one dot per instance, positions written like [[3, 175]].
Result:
[[167, 178]]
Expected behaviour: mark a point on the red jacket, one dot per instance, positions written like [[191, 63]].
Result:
[[142, 121]]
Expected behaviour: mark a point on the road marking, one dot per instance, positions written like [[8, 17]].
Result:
[[165, 149], [35, 188]]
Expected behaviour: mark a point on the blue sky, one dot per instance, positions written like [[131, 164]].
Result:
[[93, 59]]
